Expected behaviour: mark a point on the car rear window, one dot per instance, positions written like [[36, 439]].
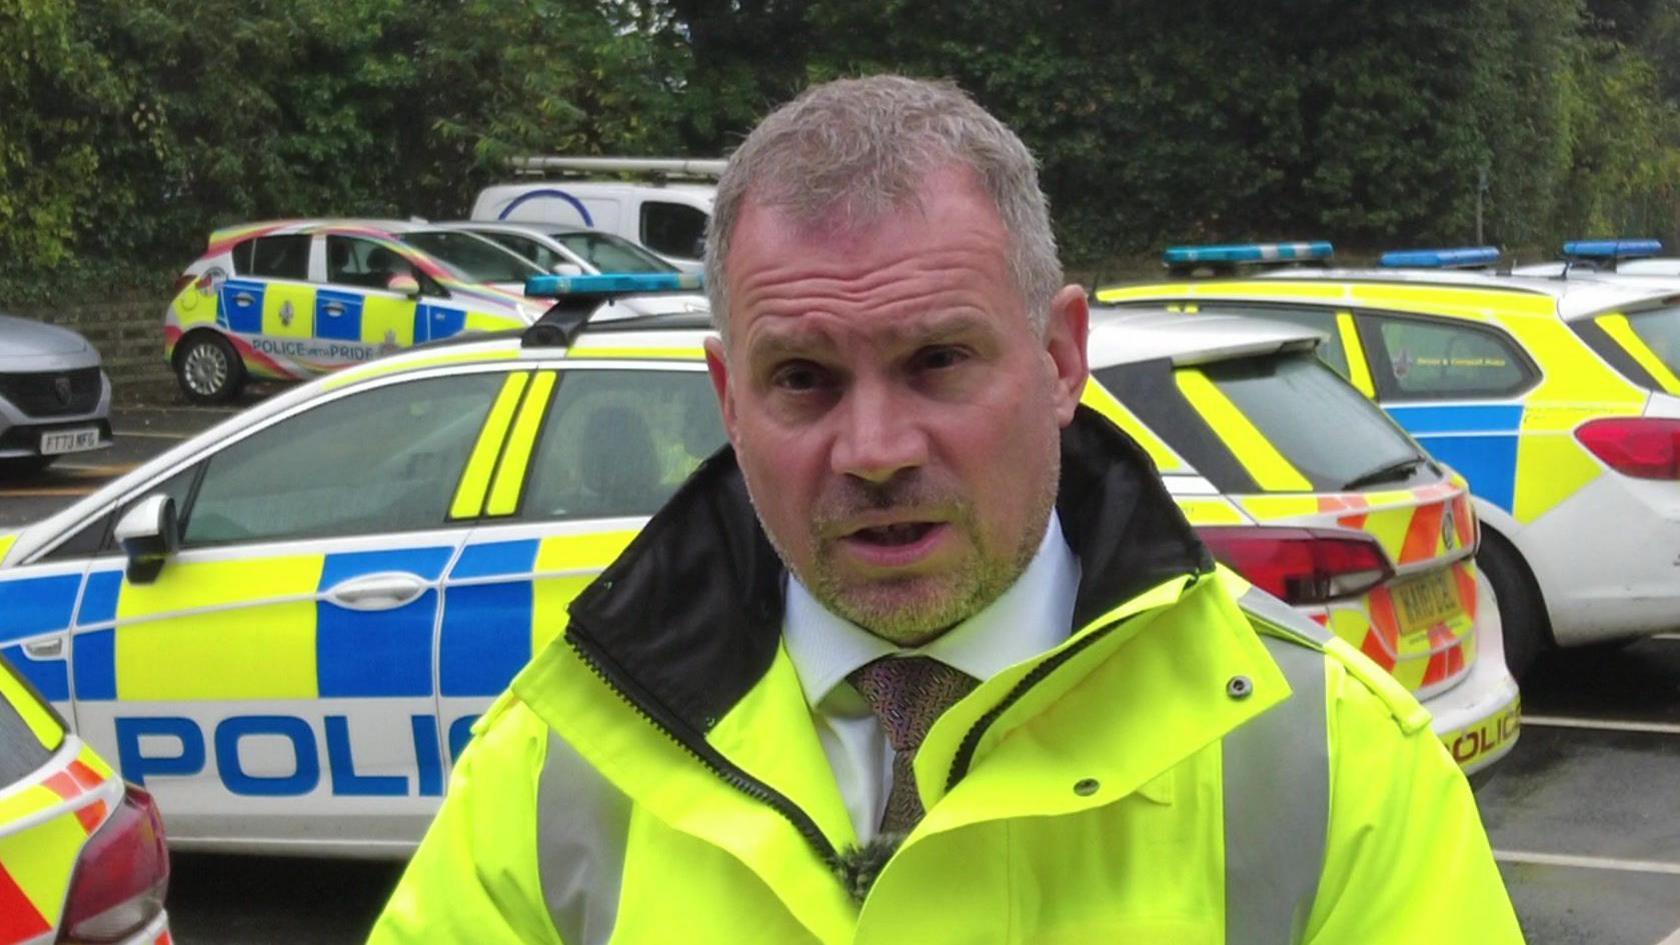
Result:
[[1294, 403], [28, 726], [1323, 426], [608, 253], [480, 259]]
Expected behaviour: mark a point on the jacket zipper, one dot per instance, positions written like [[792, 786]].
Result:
[[970, 743], [703, 752]]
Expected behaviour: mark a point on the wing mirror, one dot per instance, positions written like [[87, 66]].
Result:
[[147, 534], [404, 284], [567, 269]]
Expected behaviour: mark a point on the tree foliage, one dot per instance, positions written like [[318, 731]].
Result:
[[130, 128]]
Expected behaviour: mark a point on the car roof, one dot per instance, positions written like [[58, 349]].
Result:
[[1574, 298], [1118, 336], [521, 226]]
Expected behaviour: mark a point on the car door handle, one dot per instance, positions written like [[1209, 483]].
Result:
[[334, 309], [386, 591], [244, 298], [45, 649]]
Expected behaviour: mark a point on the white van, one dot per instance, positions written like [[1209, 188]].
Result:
[[667, 216]]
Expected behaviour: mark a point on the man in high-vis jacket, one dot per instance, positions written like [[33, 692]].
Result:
[[930, 655]]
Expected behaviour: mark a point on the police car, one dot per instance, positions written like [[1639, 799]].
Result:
[[82, 858], [286, 627], [1556, 398], [289, 300]]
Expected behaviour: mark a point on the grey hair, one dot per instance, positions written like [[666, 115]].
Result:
[[863, 148]]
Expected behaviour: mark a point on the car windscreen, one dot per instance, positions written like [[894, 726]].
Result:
[[1659, 329], [608, 253], [26, 723], [480, 259], [1322, 425]]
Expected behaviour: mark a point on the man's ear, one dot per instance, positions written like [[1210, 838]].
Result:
[[1065, 338], [717, 366]]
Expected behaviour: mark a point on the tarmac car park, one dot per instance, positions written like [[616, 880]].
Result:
[[285, 627], [54, 398], [82, 857], [293, 299], [1542, 393]]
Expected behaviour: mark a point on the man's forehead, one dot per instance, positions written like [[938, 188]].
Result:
[[821, 329]]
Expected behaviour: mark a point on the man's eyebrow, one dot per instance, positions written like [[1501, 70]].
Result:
[[913, 331]]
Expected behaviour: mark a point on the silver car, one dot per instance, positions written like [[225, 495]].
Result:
[[54, 399]]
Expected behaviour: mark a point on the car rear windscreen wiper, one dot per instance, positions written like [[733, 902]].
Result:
[[1388, 472]]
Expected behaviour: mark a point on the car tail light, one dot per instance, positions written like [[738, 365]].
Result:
[[1642, 447], [1301, 565], [121, 875], [181, 282]]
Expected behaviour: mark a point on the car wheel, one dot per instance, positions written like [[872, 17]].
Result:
[[1522, 613], [23, 466], [208, 369]]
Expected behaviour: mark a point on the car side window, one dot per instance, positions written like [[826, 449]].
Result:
[[1428, 359], [619, 443], [674, 229], [363, 263], [529, 248], [380, 460], [274, 257]]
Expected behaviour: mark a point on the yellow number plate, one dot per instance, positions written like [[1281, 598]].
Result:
[[1423, 602]]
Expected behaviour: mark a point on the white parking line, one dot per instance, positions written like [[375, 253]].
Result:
[[1665, 636], [1673, 938], [1602, 725], [1531, 858]]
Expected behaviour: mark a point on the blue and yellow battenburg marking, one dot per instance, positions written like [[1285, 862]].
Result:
[[165, 642], [1464, 257]]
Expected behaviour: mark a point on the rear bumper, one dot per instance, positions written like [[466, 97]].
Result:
[[1608, 560], [1480, 718]]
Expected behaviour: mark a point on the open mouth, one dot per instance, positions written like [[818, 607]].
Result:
[[897, 534]]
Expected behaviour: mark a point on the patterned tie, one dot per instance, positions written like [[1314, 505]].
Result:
[[907, 694]]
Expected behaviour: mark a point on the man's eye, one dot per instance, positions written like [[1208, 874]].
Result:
[[945, 356], [799, 376]]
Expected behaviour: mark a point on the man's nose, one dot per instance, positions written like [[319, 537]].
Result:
[[880, 434]]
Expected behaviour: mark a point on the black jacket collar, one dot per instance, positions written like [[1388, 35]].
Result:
[[690, 615]]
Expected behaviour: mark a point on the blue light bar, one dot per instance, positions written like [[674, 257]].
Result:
[[554, 287], [1246, 253], [1612, 249], [1459, 258]]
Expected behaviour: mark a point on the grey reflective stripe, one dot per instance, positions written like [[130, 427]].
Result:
[[1277, 798], [583, 825]]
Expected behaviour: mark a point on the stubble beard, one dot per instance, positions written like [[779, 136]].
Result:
[[913, 610]]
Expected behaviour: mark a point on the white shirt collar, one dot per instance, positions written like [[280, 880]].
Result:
[[1032, 616]]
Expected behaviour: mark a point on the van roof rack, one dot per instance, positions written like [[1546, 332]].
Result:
[[661, 168]]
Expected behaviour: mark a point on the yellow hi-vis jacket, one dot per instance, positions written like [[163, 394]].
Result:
[[1195, 764]]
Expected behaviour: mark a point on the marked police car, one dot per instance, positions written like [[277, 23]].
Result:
[[1558, 399], [289, 300], [82, 858], [286, 627], [54, 399]]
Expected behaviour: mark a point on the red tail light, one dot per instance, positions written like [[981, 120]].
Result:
[[181, 282], [1642, 447], [1301, 565], [121, 876]]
